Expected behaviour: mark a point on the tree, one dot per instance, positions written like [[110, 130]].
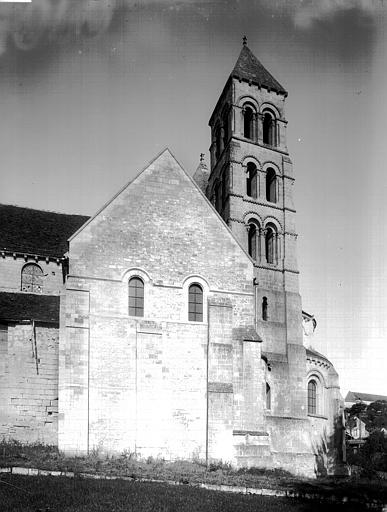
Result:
[[372, 455], [376, 416]]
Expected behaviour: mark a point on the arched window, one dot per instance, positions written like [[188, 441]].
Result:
[[248, 122], [195, 303], [252, 240], [225, 183], [268, 396], [252, 180], [225, 125], [269, 129], [32, 278], [218, 196], [270, 245], [312, 397], [271, 185], [264, 308], [218, 143], [136, 297]]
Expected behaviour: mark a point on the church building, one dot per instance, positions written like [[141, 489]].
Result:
[[170, 323]]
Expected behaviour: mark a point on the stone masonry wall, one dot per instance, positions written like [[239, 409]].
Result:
[[142, 382], [29, 383], [11, 268]]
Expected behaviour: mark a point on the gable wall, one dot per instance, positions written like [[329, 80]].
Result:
[[145, 380]]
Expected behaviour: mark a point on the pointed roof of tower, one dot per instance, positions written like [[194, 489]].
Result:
[[249, 68], [201, 174]]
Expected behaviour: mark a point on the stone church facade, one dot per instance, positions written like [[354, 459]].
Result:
[[170, 323]]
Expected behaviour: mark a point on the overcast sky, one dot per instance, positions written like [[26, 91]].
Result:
[[91, 90]]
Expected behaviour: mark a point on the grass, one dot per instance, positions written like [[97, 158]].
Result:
[[48, 457], [49, 494]]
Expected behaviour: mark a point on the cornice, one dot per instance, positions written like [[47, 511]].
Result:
[[36, 257], [261, 145]]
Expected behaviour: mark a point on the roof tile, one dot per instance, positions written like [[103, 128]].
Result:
[[29, 306], [24, 230], [249, 68]]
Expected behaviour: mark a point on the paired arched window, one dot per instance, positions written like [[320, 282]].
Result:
[[271, 185], [268, 396], [195, 303], [252, 181], [312, 397], [264, 308], [32, 278], [271, 244], [269, 128], [252, 239], [136, 297], [248, 122]]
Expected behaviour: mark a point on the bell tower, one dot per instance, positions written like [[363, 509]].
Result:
[[251, 186]]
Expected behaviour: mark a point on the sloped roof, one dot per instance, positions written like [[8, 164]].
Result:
[[201, 176], [248, 67], [352, 396], [29, 306], [24, 230], [313, 353]]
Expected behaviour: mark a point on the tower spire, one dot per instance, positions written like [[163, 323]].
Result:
[[244, 40]]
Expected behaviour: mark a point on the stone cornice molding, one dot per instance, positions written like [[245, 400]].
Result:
[[29, 256], [262, 145]]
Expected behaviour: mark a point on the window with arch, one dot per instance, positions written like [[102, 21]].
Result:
[[218, 196], [271, 185], [32, 278], [312, 397], [225, 183], [225, 125], [218, 142], [268, 396], [252, 240], [270, 245], [269, 128], [195, 303], [264, 308], [136, 296], [248, 122], [252, 180]]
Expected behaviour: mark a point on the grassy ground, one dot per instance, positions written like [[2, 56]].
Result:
[[52, 494], [126, 464]]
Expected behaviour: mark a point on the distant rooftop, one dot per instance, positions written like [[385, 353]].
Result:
[[353, 396], [37, 232]]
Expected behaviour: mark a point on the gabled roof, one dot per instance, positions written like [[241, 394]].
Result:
[[29, 306], [353, 396], [249, 68], [37, 232]]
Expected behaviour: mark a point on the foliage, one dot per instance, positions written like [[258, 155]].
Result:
[[372, 454], [376, 416], [373, 415]]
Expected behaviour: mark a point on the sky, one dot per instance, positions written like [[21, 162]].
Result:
[[92, 90]]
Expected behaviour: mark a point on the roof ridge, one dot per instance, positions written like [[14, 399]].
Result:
[[42, 210]]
